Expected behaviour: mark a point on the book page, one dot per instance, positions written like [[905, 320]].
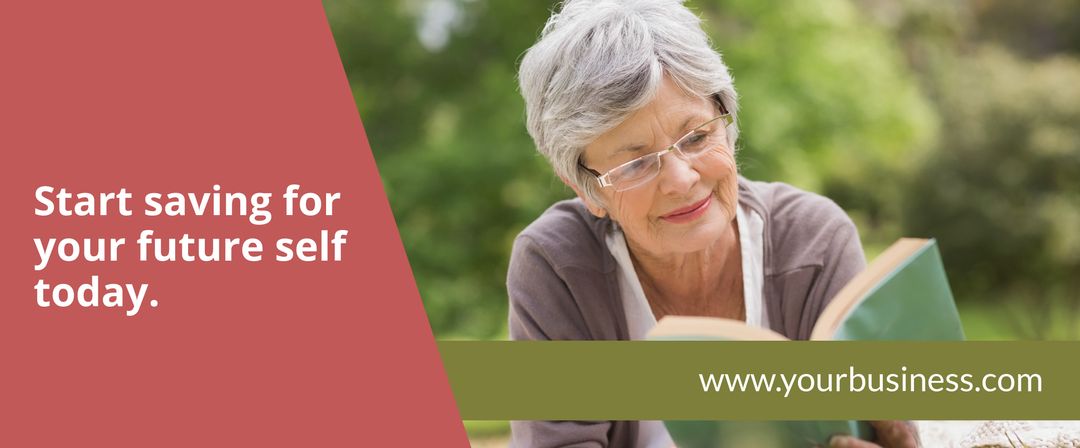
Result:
[[693, 327]]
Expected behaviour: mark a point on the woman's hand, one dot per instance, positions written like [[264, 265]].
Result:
[[890, 434]]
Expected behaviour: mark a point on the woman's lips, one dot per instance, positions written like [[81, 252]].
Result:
[[690, 213]]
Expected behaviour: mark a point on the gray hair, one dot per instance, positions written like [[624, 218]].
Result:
[[598, 61]]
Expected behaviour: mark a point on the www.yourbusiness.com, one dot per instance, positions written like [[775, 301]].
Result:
[[853, 381]]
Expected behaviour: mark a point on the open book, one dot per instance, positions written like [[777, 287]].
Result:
[[902, 295]]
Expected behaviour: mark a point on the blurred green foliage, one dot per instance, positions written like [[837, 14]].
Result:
[[956, 120]]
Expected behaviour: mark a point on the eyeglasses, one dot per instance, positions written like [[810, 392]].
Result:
[[635, 173]]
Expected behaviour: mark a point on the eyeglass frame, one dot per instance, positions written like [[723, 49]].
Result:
[[604, 183]]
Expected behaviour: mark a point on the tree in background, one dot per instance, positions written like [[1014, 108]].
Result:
[[441, 109], [1002, 189], [999, 188]]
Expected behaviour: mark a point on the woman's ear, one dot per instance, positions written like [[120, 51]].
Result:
[[594, 208]]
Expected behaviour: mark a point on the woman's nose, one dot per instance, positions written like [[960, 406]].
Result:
[[677, 173]]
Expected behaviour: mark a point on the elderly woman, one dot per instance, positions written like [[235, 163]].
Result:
[[638, 115]]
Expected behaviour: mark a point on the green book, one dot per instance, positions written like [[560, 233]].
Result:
[[903, 295]]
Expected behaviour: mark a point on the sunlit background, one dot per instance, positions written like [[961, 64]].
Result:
[[954, 120]]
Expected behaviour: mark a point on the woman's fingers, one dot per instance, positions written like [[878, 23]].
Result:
[[896, 433], [890, 434], [850, 442]]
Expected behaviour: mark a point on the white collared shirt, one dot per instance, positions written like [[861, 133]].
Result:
[[640, 318]]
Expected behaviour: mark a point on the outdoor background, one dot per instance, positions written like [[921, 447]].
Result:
[[957, 120]]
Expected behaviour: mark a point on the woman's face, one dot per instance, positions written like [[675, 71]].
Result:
[[691, 203]]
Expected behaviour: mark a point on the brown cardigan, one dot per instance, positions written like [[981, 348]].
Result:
[[562, 285]]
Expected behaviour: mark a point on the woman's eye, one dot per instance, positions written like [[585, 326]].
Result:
[[636, 164], [632, 168], [694, 142]]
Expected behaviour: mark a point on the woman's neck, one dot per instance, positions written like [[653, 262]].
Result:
[[703, 283]]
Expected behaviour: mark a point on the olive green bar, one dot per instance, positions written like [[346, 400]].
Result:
[[651, 380]]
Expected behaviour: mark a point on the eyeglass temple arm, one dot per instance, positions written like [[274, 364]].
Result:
[[719, 102], [590, 170]]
